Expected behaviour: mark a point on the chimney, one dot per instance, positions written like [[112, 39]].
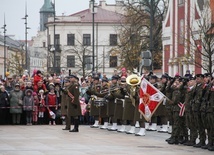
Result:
[[102, 3]]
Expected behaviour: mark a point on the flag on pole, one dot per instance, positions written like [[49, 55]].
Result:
[[150, 99]]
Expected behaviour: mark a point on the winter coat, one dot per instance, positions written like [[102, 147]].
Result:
[[16, 101], [28, 103], [4, 98]]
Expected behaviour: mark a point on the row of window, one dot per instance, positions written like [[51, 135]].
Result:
[[87, 59], [86, 39]]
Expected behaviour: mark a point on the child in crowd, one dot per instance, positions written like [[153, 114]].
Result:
[[52, 105], [42, 107], [28, 104]]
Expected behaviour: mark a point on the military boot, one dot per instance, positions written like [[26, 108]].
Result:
[[183, 140], [174, 141], [201, 143], [168, 139], [211, 148]]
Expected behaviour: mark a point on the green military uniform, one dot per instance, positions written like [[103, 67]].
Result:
[[111, 102], [93, 90], [74, 109], [176, 128], [206, 111], [190, 122], [210, 117], [128, 111], [196, 103]]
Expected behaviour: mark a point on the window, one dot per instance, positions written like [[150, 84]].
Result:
[[181, 36], [88, 62], [86, 39], [113, 61], [57, 39], [180, 2], [70, 39], [113, 39], [57, 59], [70, 61], [43, 44]]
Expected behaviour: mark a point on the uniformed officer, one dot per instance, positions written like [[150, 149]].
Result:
[[196, 103], [74, 109], [190, 122], [118, 94], [206, 109], [64, 103], [94, 88]]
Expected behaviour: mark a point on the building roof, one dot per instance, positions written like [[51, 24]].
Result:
[[101, 15], [11, 42]]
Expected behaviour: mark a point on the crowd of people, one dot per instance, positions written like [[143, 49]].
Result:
[[106, 103]]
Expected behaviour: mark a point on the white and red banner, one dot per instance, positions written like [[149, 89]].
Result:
[[150, 99]]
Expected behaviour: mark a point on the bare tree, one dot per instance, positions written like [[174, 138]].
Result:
[[141, 30], [200, 45]]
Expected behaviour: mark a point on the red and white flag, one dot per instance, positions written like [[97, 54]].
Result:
[[150, 99]]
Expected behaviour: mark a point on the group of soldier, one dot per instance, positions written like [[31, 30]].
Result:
[[188, 110]]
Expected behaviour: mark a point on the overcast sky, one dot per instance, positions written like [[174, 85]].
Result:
[[14, 10]]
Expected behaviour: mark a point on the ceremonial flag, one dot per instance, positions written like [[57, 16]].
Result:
[[150, 99]]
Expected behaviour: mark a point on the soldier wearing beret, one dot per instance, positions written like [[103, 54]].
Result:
[[196, 103], [206, 109], [190, 121]]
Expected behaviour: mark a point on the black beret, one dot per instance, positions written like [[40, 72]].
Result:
[[114, 77], [74, 76], [104, 80], [165, 75], [153, 77], [199, 75], [207, 75]]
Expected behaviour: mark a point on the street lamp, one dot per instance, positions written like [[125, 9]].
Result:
[[54, 46], [4, 27], [26, 28], [93, 12]]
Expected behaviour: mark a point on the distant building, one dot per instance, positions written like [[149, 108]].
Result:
[[181, 16], [73, 40], [15, 59]]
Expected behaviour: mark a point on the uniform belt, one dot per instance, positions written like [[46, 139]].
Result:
[[126, 96], [123, 100]]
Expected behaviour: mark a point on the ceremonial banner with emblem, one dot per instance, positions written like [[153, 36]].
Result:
[[150, 99]]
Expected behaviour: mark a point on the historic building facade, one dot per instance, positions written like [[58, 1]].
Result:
[[181, 18]]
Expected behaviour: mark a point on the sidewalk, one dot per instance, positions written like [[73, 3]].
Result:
[[52, 140]]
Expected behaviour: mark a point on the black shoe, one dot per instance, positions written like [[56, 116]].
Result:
[[206, 146], [183, 141], [173, 141], [168, 139], [211, 148], [74, 130], [66, 129], [190, 144], [199, 145]]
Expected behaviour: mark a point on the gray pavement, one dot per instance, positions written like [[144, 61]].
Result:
[[52, 140]]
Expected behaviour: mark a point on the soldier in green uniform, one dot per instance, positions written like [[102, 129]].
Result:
[[103, 106], [205, 108], [190, 122], [196, 103], [118, 94], [161, 110], [210, 116], [64, 103], [176, 99], [111, 101], [74, 109], [94, 88]]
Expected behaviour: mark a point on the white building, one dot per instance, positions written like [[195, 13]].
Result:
[[73, 39]]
